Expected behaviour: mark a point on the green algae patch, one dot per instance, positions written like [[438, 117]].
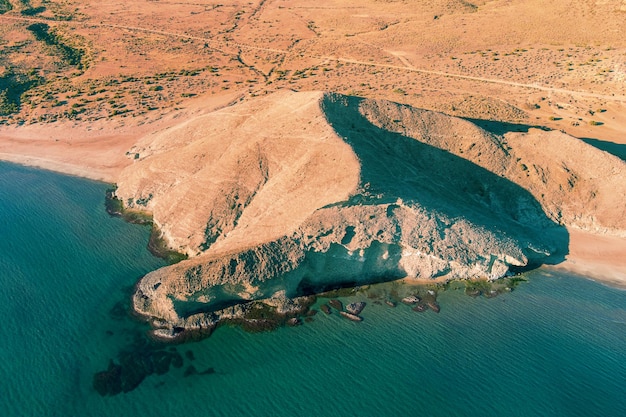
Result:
[[159, 248], [115, 207], [489, 289], [156, 244]]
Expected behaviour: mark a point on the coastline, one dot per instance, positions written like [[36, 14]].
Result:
[[95, 150], [78, 151], [71, 150], [102, 175]]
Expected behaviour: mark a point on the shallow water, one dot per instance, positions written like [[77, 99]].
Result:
[[556, 346]]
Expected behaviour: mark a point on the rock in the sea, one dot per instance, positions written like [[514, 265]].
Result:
[[411, 299], [473, 292], [390, 303], [336, 304], [491, 294], [294, 321], [434, 306], [420, 308], [325, 308], [355, 308], [350, 316]]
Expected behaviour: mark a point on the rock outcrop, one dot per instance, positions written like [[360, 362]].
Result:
[[294, 193]]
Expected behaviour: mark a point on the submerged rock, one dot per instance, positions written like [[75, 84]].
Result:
[[325, 308], [190, 370], [135, 366], [336, 304], [108, 382], [162, 361]]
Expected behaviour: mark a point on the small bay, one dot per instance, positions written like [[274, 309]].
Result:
[[556, 346]]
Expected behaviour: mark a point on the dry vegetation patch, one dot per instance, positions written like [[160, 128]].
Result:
[[435, 56]]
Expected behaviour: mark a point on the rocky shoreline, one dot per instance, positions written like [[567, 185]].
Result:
[[156, 244], [270, 314]]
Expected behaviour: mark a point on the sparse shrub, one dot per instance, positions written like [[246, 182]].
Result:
[[12, 86], [69, 54], [5, 6], [32, 11]]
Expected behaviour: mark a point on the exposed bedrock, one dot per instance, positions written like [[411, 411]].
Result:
[[295, 193]]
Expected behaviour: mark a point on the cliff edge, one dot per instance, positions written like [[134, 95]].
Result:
[[294, 193]]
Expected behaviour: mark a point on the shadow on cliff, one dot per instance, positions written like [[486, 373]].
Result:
[[395, 167], [500, 128], [613, 148]]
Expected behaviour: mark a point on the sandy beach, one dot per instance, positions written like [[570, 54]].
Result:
[[600, 257], [98, 150]]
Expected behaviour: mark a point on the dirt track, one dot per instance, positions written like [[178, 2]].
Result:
[[223, 46]]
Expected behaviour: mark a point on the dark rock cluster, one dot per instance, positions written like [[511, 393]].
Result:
[[133, 367]]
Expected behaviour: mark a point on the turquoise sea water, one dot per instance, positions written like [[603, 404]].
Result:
[[554, 347]]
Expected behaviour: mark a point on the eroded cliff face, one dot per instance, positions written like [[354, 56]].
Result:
[[576, 184], [296, 193]]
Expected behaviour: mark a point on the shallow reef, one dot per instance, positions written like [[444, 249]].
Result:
[[147, 355]]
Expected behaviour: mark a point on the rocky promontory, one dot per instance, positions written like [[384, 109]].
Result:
[[291, 194]]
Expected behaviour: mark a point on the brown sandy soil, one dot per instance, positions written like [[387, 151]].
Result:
[[147, 65]]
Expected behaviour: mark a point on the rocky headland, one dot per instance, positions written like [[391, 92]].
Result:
[[292, 194]]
